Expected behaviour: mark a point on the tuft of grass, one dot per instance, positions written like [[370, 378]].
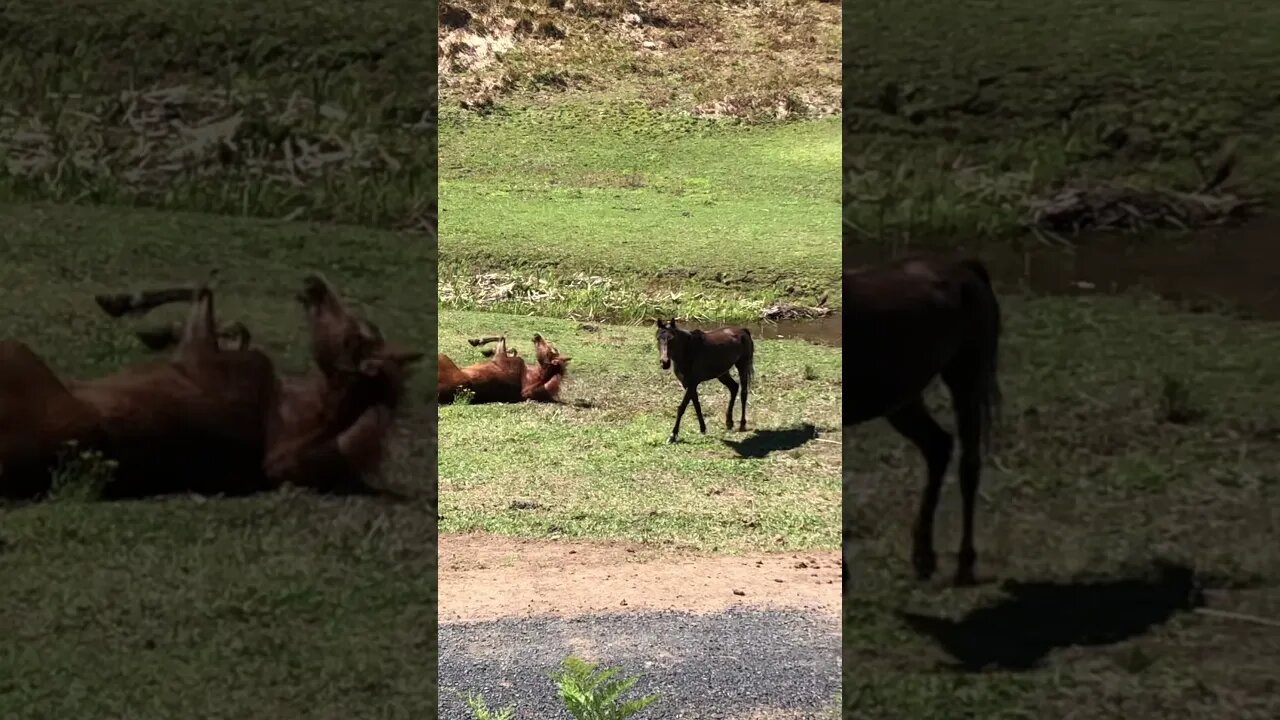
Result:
[[80, 475], [1176, 402], [480, 709]]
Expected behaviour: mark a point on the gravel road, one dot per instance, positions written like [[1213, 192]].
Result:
[[741, 663]]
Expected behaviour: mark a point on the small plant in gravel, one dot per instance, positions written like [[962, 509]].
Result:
[[480, 709], [1177, 404], [587, 692], [592, 694]]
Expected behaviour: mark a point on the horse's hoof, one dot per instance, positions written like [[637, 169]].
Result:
[[671, 440], [925, 564], [742, 427], [964, 576]]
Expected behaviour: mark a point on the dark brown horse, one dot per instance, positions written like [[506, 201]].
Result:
[[506, 377], [211, 418], [906, 323], [699, 356]]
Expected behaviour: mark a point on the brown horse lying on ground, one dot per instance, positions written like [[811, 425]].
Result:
[[908, 322], [700, 356], [211, 419], [505, 378]]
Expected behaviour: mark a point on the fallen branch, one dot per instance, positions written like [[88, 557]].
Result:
[[1255, 619]]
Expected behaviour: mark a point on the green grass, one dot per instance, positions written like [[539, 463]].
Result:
[[1132, 432], [134, 102], [728, 217], [606, 179], [599, 466], [281, 605], [1090, 93]]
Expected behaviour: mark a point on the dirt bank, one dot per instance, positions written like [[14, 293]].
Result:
[[485, 577]]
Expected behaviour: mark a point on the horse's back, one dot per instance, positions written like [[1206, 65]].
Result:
[[729, 337], [497, 380], [35, 405], [445, 364], [903, 323], [233, 388], [38, 416]]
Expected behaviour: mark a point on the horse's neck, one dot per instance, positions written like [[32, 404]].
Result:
[[538, 374], [312, 406], [690, 342]]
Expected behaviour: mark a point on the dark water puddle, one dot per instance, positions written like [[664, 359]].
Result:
[[1227, 268], [819, 331]]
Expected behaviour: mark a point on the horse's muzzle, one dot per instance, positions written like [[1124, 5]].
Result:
[[666, 364]]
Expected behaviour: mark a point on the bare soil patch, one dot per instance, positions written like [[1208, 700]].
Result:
[[759, 60], [484, 577]]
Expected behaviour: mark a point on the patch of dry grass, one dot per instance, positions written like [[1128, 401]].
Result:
[[775, 59], [300, 110]]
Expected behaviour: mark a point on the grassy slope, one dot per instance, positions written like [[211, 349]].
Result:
[[584, 157], [654, 203], [275, 606], [606, 470], [1158, 72], [1093, 482]]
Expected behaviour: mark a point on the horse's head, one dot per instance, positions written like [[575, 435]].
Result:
[[347, 347], [549, 358], [669, 337]]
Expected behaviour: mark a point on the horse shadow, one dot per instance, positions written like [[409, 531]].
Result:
[[1020, 630], [763, 442]]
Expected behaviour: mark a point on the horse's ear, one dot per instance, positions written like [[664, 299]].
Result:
[[658, 322], [564, 360], [673, 322]]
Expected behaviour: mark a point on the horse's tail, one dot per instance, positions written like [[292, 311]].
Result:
[[986, 308], [748, 367]]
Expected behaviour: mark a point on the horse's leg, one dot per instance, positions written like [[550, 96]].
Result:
[[728, 381], [697, 410], [477, 342], [914, 422], [139, 303], [199, 340], [236, 336], [684, 403], [746, 369], [968, 408]]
